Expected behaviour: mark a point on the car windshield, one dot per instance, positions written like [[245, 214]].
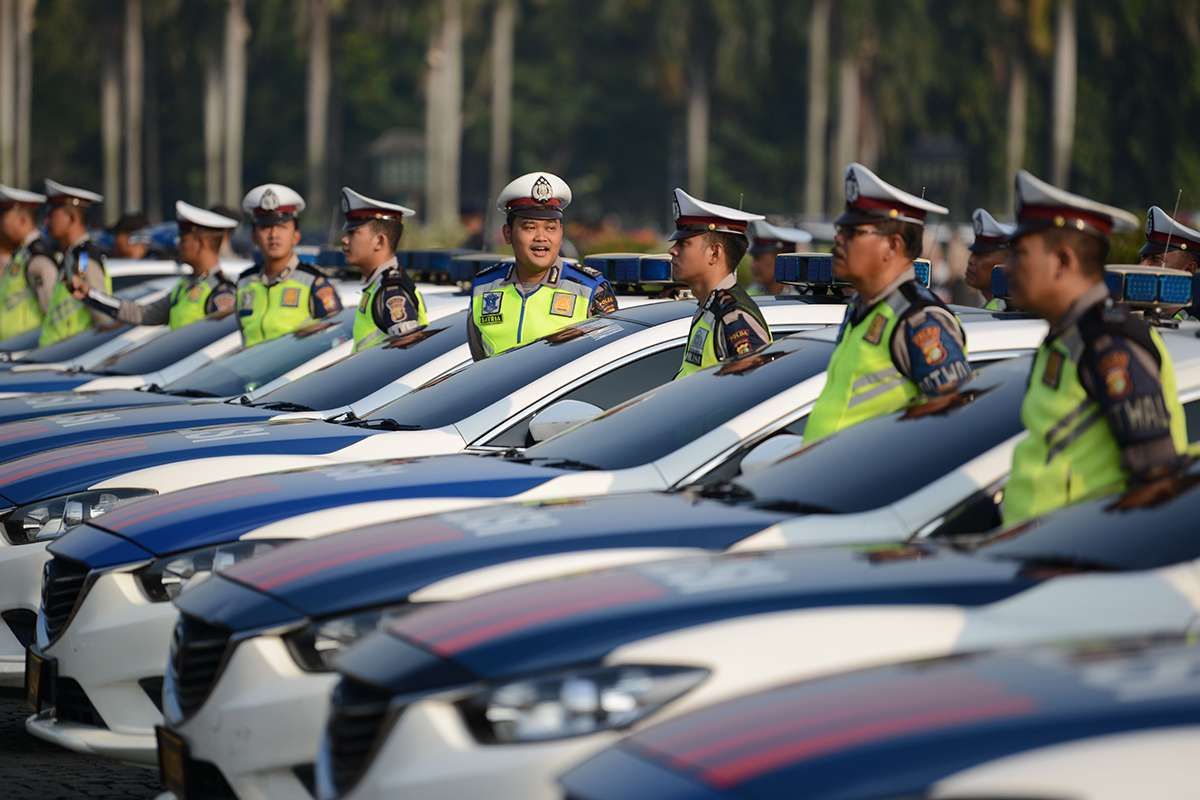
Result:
[[365, 372], [662, 420], [163, 351], [73, 347], [247, 369], [832, 476], [1133, 531], [455, 397]]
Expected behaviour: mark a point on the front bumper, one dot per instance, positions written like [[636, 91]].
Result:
[[116, 641], [262, 719], [20, 596]]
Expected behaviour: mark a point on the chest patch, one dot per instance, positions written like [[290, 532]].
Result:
[[1052, 374], [875, 330], [490, 315], [290, 298], [246, 300], [563, 304], [695, 348]]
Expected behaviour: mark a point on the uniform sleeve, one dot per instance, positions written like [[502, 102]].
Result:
[[156, 312], [42, 274], [324, 300], [475, 339], [1125, 380], [930, 350], [222, 299], [394, 311], [604, 300], [94, 276], [740, 331]]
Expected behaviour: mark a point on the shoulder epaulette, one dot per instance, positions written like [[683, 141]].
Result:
[[490, 273], [590, 272], [38, 247], [311, 270], [250, 272], [1115, 320]]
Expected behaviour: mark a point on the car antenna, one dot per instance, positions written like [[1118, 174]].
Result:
[[1174, 216]]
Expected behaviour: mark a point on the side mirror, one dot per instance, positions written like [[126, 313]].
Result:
[[558, 417], [769, 452]]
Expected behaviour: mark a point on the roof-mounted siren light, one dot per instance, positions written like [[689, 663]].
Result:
[[634, 273], [1158, 292]]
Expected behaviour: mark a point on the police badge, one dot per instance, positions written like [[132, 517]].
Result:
[[491, 302], [269, 201], [851, 188], [542, 190]]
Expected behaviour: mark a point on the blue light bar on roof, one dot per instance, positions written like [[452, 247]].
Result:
[[924, 270], [617, 267], [655, 269], [1149, 286], [1175, 289], [804, 268]]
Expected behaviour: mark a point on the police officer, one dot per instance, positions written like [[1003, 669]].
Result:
[[279, 295], [988, 251], [27, 281], [206, 291], [516, 303], [390, 303], [67, 224], [709, 241], [130, 236], [898, 340], [1169, 243], [766, 242], [1101, 408]]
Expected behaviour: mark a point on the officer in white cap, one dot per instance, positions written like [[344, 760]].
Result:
[[1169, 243], [1102, 408], [390, 304], [766, 242], [67, 224], [899, 341], [538, 294], [988, 251], [709, 241], [206, 291], [279, 295], [27, 281]]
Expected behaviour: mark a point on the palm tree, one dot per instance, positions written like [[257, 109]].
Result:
[[134, 84], [237, 32], [818, 107], [24, 92], [443, 115], [319, 68], [1065, 73], [503, 29]]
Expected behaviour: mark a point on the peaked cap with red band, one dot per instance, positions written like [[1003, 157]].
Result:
[[768, 238], [537, 195], [1041, 206], [990, 234], [272, 203], [190, 216], [1164, 234], [359, 209], [11, 196], [59, 194], [871, 199], [694, 216]]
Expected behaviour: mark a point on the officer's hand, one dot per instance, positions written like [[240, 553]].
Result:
[[79, 287]]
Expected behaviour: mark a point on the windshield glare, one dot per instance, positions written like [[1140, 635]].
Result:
[[168, 348]]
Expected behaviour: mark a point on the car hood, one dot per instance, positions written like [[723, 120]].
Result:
[[223, 511], [580, 619], [385, 564], [60, 430], [43, 380], [67, 469], [15, 409], [915, 724]]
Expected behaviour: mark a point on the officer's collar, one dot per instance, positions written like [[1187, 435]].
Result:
[[31, 237], [728, 282], [391, 263], [909, 274], [82, 240], [551, 278], [1098, 293], [287, 271]]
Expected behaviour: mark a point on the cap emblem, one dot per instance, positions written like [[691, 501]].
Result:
[[269, 201], [1150, 223], [851, 188], [542, 190]]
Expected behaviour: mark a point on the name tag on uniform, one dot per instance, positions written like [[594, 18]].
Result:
[[1052, 374], [695, 349], [491, 308], [246, 303], [291, 297], [563, 304], [875, 332]]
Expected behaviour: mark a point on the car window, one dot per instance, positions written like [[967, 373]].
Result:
[[244, 370], [162, 351], [73, 347], [661, 421], [885, 459], [606, 391], [365, 372], [475, 387]]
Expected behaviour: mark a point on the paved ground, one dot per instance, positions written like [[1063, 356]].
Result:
[[31, 769]]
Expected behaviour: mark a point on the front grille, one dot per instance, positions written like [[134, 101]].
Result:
[[356, 723], [63, 583], [197, 650], [71, 704]]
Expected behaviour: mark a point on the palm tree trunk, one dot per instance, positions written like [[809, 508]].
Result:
[[846, 140], [697, 129], [1018, 90], [1065, 41], [8, 122], [24, 108], [134, 77], [503, 28], [318, 104], [213, 128], [818, 107], [443, 117], [237, 31], [110, 131]]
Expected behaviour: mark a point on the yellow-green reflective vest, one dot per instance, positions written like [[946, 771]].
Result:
[[996, 304], [189, 300], [268, 312], [1070, 452], [701, 349], [19, 309], [66, 315], [862, 381], [505, 318], [366, 330]]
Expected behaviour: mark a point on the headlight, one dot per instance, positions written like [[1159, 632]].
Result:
[[49, 519], [575, 703], [164, 578], [317, 644]]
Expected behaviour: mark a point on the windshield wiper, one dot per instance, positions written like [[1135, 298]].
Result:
[[383, 424], [564, 463], [1055, 561], [285, 406], [728, 491], [793, 507], [194, 393], [154, 387]]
